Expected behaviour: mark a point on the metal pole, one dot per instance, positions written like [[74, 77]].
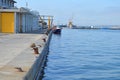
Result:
[[49, 22]]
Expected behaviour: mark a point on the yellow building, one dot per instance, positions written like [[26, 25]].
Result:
[[16, 20], [7, 22]]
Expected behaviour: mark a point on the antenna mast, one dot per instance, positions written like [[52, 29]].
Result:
[[26, 4]]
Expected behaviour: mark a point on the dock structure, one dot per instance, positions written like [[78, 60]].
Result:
[[17, 57], [18, 60]]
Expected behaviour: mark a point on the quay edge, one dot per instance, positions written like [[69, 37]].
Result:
[[36, 71]]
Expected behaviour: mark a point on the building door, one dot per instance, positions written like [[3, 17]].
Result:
[[0, 22], [7, 23]]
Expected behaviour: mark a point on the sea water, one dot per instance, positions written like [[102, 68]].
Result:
[[79, 54]]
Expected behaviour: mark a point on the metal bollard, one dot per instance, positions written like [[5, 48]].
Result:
[[44, 39], [34, 48]]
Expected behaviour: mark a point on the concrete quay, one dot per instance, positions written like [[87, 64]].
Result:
[[16, 55]]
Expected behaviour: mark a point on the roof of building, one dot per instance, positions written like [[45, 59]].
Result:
[[18, 10], [14, 10]]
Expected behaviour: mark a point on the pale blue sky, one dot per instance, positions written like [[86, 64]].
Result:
[[84, 12]]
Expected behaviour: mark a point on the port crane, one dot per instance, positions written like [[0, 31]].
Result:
[[44, 18]]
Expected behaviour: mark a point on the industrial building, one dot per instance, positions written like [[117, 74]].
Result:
[[17, 20]]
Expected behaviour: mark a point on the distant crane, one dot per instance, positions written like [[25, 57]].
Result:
[[70, 23], [48, 18]]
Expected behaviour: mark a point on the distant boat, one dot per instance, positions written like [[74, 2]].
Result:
[[56, 30], [62, 26]]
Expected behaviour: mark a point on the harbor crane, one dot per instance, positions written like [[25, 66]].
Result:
[[44, 18]]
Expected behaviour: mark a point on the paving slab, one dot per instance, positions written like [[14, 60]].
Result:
[[16, 56]]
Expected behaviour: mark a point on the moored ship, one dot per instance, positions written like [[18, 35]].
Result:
[[56, 30]]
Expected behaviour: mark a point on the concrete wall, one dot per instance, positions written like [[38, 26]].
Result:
[[35, 73]]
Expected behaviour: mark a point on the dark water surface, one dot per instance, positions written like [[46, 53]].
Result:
[[84, 55]]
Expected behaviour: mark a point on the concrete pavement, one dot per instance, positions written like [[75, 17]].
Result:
[[16, 54]]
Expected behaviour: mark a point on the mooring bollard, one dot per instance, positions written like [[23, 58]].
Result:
[[44, 39], [35, 48], [19, 69]]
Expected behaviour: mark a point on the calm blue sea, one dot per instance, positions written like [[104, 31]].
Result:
[[84, 55]]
